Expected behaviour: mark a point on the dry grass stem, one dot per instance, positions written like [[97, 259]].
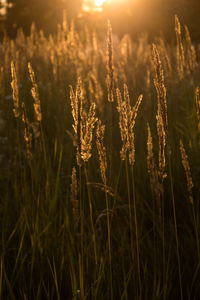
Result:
[[186, 166]]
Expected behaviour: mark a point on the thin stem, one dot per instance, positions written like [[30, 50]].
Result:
[[136, 232], [81, 254], [129, 208], [91, 214], [196, 232], [109, 241], [162, 219], [110, 141], [175, 227]]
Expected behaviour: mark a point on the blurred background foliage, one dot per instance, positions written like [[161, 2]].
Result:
[[127, 16]]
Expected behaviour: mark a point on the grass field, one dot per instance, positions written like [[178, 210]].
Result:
[[99, 166]]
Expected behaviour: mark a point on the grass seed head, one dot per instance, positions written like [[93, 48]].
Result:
[[35, 94], [101, 150], [186, 166], [110, 67], [74, 194], [15, 91], [27, 133]]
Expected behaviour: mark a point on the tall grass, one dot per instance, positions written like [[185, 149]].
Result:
[[99, 159]]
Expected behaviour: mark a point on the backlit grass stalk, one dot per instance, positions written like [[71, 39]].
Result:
[[110, 87], [123, 125], [127, 117], [76, 104], [88, 126], [83, 127], [180, 55], [36, 105], [27, 133], [197, 101], [129, 207], [15, 91], [190, 185], [16, 104], [103, 166], [110, 67], [136, 232], [91, 214], [74, 197], [175, 227], [157, 190], [162, 129], [191, 52], [37, 124], [156, 187]]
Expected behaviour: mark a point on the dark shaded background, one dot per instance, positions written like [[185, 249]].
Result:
[[132, 16]]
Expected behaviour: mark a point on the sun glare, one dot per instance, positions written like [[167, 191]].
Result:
[[99, 3], [93, 5]]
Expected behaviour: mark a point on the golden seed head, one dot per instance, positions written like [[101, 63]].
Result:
[[15, 91], [186, 166], [74, 198], [127, 116], [110, 67], [35, 95], [27, 133], [86, 142], [177, 25], [101, 150], [197, 100]]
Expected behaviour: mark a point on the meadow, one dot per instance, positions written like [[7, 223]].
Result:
[[99, 165]]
